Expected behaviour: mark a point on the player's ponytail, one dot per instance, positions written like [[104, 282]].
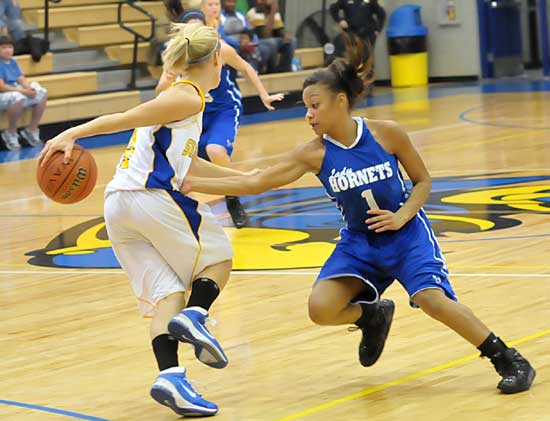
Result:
[[350, 75], [190, 44]]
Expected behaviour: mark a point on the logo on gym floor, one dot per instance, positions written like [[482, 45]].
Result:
[[298, 228]]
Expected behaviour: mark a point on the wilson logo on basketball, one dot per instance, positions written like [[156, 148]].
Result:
[[297, 228], [77, 182]]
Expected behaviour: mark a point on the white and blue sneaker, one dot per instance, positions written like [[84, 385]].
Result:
[[189, 326], [173, 390]]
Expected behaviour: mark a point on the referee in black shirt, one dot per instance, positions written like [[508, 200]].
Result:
[[364, 18]]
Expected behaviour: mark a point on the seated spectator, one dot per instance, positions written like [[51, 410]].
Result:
[[276, 46], [232, 24], [249, 51], [16, 94], [10, 18]]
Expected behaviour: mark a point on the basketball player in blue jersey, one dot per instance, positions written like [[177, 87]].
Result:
[[387, 235], [223, 111], [167, 242]]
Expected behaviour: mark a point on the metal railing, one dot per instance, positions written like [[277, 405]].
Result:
[[137, 36], [47, 19]]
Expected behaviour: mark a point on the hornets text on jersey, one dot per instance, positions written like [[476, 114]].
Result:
[[360, 177]]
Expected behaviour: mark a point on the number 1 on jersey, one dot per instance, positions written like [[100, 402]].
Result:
[[369, 197]]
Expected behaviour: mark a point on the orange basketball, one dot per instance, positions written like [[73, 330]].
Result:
[[68, 183]]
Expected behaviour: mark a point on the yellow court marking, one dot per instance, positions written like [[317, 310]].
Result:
[[501, 266], [402, 380]]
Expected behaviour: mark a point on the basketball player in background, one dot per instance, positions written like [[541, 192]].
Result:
[[223, 110], [166, 242], [387, 234]]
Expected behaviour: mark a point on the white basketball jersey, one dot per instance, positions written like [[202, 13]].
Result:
[[158, 157]]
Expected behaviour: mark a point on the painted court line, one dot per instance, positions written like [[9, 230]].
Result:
[[52, 410], [274, 272], [402, 380]]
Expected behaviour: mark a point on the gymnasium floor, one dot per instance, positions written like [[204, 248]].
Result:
[[73, 345]]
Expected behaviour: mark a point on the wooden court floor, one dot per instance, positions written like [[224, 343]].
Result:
[[72, 342]]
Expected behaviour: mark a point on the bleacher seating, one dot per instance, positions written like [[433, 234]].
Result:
[[87, 71]]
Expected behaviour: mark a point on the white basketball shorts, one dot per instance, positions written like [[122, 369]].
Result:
[[163, 240]]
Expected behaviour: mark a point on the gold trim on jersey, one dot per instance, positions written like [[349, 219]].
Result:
[[197, 88]]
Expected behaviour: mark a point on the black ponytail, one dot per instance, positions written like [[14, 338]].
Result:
[[350, 75]]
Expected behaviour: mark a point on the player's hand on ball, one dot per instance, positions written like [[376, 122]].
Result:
[[62, 142], [272, 98], [383, 220]]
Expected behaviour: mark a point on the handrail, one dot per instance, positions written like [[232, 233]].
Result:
[[137, 35], [47, 19]]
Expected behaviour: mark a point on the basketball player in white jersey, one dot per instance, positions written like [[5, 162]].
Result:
[[165, 241]]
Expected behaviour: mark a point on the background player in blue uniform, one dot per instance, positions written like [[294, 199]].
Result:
[[387, 235], [223, 111]]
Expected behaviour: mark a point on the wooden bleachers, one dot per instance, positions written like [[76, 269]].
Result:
[[38, 4], [29, 67], [277, 82], [309, 57], [104, 35], [76, 108], [68, 84], [77, 16]]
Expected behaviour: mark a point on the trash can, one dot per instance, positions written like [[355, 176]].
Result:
[[407, 47]]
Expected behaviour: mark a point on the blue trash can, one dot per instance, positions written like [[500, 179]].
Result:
[[407, 47]]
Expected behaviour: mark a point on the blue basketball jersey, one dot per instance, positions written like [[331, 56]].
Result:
[[227, 95], [361, 177]]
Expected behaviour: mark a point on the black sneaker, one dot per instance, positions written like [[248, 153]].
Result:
[[237, 212], [517, 374], [375, 333]]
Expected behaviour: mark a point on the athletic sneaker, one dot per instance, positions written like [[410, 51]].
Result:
[[375, 333], [236, 210], [10, 140], [517, 374], [172, 389], [31, 137], [189, 326]]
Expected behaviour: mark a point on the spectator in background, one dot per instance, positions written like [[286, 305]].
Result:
[[237, 32], [16, 94], [233, 23], [363, 18], [276, 46], [249, 50], [10, 18]]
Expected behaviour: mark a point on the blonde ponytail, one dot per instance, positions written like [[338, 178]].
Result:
[[189, 44]]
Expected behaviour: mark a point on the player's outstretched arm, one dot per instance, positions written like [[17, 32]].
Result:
[[178, 104], [231, 57], [255, 182], [203, 168]]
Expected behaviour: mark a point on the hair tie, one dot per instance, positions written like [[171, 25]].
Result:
[[188, 40]]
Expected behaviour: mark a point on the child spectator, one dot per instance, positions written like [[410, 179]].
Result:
[[16, 94], [276, 46], [249, 52]]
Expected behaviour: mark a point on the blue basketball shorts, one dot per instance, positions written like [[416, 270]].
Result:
[[220, 128], [411, 256]]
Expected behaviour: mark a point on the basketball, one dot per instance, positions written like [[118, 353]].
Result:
[[68, 183]]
